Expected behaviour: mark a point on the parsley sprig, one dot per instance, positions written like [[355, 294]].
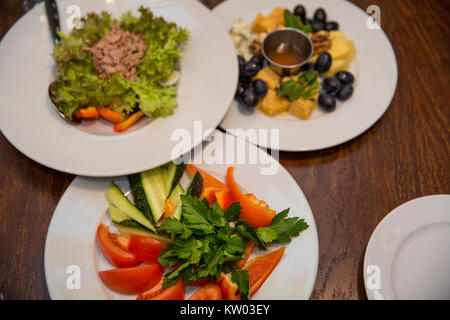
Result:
[[306, 86], [293, 21], [206, 243]]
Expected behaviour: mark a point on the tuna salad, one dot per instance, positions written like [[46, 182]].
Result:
[[118, 69]]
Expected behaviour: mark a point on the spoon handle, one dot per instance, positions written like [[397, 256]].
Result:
[[53, 18]]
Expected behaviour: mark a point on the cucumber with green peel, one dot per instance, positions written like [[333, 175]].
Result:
[[176, 201], [195, 187], [120, 218], [140, 200], [153, 184], [173, 174], [128, 231], [115, 197]]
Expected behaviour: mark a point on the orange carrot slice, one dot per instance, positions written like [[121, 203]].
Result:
[[128, 122], [87, 113], [109, 114]]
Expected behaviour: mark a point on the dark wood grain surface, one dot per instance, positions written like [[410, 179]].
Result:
[[350, 187]]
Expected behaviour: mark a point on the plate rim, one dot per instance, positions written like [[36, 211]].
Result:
[[382, 225]]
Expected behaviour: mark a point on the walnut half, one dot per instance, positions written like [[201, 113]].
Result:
[[321, 42]]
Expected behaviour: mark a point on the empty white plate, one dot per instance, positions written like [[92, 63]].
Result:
[[408, 255]]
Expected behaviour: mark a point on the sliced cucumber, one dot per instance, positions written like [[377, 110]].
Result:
[[176, 201], [138, 193], [120, 218], [195, 187], [154, 187], [173, 175], [120, 201], [128, 231]]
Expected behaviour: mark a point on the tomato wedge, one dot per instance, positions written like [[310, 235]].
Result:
[[174, 292], [132, 280], [223, 199], [210, 291], [208, 180], [255, 212], [209, 193], [261, 267], [199, 282], [258, 269], [115, 248], [229, 288], [146, 249]]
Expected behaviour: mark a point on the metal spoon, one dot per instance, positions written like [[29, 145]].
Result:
[[53, 21]]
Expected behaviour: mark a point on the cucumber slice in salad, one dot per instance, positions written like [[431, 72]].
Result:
[[128, 231], [175, 196], [153, 183], [173, 175], [140, 200], [115, 197], [195, 187]]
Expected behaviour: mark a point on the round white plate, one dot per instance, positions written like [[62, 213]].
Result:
[[29, 122], [374, 67], [408, 254], [71, 237]]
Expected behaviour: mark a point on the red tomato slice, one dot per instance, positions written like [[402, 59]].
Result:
[[175, 292], [223, 199], [145, 249], [199, 282], [255, 212], [261, 267], [132, 280], [209, 193], [258, 269], [210, 291], [229, 288], [115, 248]]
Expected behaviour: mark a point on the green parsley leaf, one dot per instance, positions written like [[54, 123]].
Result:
[[286, 88], [241, 278], [297, 92], [233, 212], [281, 228]]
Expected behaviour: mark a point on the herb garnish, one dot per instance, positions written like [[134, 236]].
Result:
[[292, 21], [306, 86], [206, 244]]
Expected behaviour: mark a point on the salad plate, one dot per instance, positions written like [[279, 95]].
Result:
[[71, 245], [408, 256], [373, 65], [92, 148]]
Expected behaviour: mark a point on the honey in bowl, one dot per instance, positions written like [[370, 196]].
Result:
[[286, 55], [286, 50]]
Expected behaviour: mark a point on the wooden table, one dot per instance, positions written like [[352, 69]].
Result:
[[350, 187]]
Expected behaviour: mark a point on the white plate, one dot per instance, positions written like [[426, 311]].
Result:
[[29, 122], [408, 254], [374, 67], [71, 234]]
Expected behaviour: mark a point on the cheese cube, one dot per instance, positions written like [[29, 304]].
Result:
[[269, 76], [302, 108], [272, 104]]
